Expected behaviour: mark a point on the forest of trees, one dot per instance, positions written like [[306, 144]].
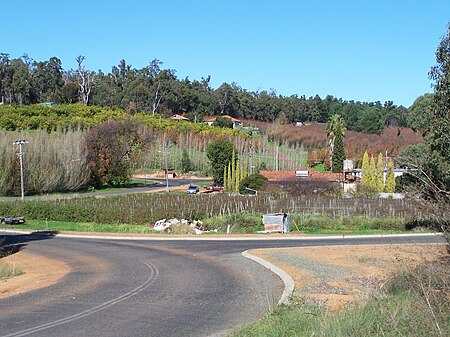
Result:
[[154, 89]]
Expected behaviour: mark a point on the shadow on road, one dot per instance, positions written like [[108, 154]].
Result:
[[11, 244]]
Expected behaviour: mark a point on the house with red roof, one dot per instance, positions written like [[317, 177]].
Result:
[[211, 119]]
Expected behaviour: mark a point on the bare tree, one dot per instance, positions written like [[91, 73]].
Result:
[[85, 80]]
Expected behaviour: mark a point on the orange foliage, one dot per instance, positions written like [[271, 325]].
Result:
[[314, 138]]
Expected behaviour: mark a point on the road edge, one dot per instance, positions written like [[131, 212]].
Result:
[[288, 281]]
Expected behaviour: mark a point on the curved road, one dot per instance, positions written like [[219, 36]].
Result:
[[160, 184], [149, 287]]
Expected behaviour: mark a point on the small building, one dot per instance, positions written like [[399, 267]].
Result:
[[211, 119], [177, 117]]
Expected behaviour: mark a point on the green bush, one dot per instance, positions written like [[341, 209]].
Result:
[[253, 181], [238, 222]]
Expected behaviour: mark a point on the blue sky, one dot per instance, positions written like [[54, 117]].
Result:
[[355, 50]]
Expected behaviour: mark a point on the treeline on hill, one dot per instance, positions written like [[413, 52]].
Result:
[[153, 89]]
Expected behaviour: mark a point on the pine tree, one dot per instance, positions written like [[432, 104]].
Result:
[[390, 178], [225, 178], [371, 182], [379, 174], [233, 171], [338, 153], [238, 176], [365, 169], [186, 163], [229, 185]]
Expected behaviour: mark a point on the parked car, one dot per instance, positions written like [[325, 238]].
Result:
[[214, 187], [193, 189], [9, 220]]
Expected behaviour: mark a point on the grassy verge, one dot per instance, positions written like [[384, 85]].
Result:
[[238, 223], [62, 226], [311, 223], [9, 269], [412, 303]]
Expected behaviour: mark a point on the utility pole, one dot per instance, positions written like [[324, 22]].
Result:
[[251, 157], [21, 143], [166, 156], [277, 159]]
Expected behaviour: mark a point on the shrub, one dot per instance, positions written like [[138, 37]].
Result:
[[112, 146], [254, 181]]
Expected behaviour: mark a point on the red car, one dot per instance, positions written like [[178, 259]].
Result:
[[214, 188]]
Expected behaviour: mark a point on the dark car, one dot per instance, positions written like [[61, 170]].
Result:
[[9, 220], [192, 189], [214, 187]]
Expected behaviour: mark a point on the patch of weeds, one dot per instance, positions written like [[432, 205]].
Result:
[[413, 302], [9, 269]]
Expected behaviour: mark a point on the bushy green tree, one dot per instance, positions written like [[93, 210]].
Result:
[[253, 181], [223, 122], [219, 153], [430, 177], [420, 112]]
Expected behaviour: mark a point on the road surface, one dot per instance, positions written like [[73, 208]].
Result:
[[150, 287], [160, 184]]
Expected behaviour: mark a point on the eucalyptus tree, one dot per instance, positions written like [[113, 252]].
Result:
[[21, 83], [430, 178], [47, 79], [5, 79], [85, 80]]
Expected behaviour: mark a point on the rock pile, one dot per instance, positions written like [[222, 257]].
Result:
[[189, 226]]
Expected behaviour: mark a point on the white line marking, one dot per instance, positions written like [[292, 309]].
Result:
[[153, 275]]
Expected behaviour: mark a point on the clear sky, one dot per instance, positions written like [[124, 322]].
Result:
[[362, 50]]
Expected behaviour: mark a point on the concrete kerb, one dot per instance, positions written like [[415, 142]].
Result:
[[220, 237], [288, 281]]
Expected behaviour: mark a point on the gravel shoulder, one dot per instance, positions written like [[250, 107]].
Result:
[[341, 277]]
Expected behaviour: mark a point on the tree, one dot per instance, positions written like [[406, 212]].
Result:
[[223, 122], [370, 120], [21, 82], [47, 79], [85, 80], [430, 177], [186, 163], [365, 174], [335, 131], [338, 154], [254, 182], [371, 177], [390, 178], [420, 113], [379, 174], [112, 147], [219, 153]]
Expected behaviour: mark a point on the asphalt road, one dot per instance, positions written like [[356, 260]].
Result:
[[149, 288], [161, 183]]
